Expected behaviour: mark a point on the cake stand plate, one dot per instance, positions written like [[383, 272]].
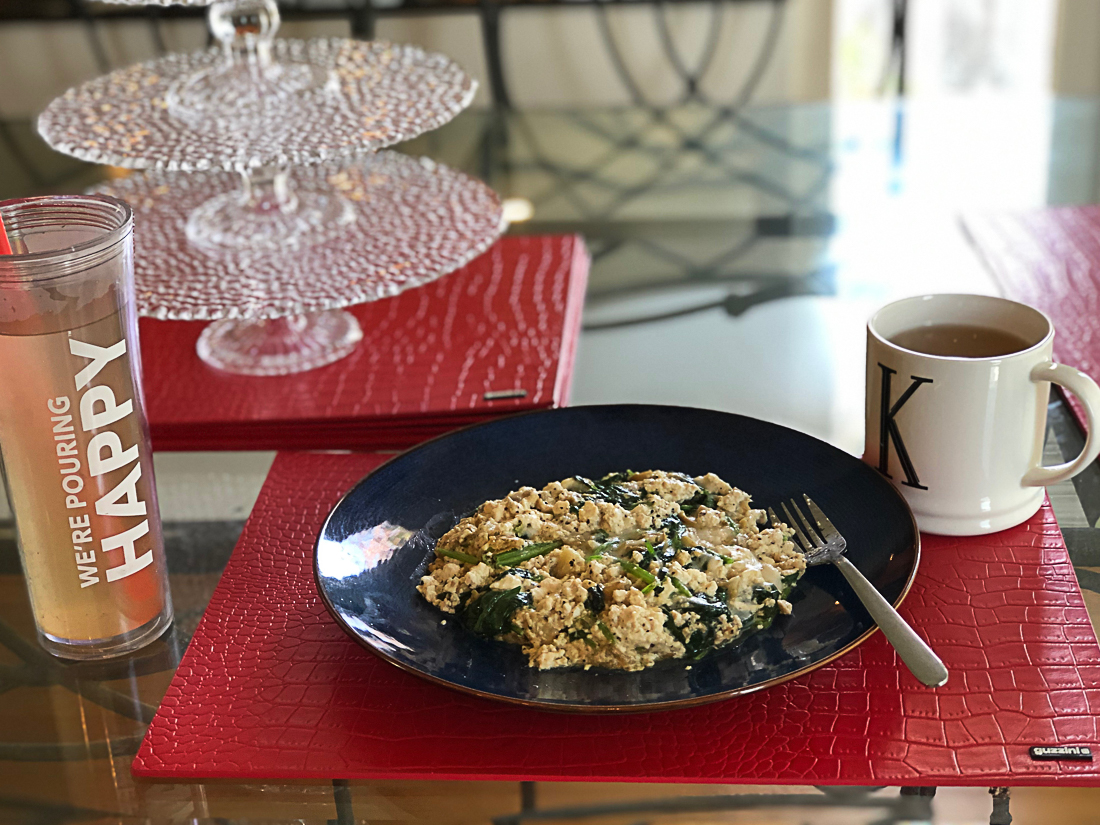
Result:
[[412, 220], [317, 100]]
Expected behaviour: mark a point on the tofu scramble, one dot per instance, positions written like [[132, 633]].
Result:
[[617, 573]]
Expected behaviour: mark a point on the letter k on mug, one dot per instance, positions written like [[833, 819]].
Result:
[[957, 390]]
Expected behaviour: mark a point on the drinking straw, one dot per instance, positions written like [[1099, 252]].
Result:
[[5, 246]]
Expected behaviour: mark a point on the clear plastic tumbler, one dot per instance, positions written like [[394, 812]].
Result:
[[74, 440]]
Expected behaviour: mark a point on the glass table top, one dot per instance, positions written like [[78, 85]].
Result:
[[736, 258]]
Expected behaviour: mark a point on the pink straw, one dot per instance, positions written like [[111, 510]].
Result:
[[5, 247]]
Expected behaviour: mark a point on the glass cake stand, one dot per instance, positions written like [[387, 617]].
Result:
[[276, 312], [374, 94], [265, 111]]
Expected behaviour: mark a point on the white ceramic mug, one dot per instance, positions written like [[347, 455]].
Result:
[[960, 437]]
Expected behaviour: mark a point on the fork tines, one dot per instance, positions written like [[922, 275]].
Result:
[[808, 537]]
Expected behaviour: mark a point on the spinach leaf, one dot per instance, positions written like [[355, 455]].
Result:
[[490, 614], [607, 489], [606, 631], [612, 478], [675, 530], [764, 618], [465, 558], [581, 627], [525, 553], [663, 552], [707, 607], [762, 592], [698, 643], [702, 498], [637, 572]]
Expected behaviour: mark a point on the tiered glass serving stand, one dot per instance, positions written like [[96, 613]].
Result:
[[267, 206]]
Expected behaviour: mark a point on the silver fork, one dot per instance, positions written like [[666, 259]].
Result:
[[828, 548]]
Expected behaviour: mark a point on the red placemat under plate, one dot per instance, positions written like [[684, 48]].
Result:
[[271, 688], [494, 337], [1050, 259]]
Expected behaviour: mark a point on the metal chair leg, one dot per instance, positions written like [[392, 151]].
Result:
[[1001, 814], [490, 12]]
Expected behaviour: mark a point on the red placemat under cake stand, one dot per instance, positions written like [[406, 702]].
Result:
[[1050, 259], [271, 688], [497, 336]]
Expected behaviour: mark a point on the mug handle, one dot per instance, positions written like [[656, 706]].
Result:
[[1089, 394]]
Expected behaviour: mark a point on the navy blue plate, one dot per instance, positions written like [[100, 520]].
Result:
[[379, 539]]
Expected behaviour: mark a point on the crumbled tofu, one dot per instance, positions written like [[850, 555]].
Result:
[[621, 572]]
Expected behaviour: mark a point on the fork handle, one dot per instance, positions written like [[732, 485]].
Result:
[[918, 656]]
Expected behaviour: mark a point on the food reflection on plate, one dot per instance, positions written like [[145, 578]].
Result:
[[361, 551]]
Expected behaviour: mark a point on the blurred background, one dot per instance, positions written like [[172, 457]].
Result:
[[718, 157]]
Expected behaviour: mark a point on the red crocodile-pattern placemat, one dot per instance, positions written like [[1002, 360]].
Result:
[[271, 688], [509, 320], [1050, 259]]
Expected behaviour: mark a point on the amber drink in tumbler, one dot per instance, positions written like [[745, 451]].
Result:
[[74, 441]]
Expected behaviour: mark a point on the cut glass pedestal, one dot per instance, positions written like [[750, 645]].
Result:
[[232, 222], [281, 346]]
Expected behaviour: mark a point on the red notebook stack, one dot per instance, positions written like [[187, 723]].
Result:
[[495, 337]]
